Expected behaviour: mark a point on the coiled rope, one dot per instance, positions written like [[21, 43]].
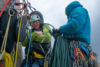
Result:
[[60, 54]]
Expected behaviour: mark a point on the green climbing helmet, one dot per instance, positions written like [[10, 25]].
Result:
[[35, 16]]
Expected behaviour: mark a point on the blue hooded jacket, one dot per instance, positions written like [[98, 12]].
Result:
[[78, 25]]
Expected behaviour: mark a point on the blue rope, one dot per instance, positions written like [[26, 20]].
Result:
[[29, 44]]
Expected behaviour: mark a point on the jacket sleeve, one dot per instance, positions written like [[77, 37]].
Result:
[[39, 38], [33, 36], [74, 24]]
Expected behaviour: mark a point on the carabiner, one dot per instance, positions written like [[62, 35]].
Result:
[[10, 12]]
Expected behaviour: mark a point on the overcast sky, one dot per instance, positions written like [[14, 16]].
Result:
[[54, 13]]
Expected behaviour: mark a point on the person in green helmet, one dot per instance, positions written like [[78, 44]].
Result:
[[36, 54]]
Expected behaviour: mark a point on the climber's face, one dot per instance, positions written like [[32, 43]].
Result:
[[36, 24]]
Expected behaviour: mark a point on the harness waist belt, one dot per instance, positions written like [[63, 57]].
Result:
[[79, 39]]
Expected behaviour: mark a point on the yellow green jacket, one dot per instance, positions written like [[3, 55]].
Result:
[[38, 38]]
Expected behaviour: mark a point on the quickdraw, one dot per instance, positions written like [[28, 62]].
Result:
[[81, 55], [76, 54], [78, 57]]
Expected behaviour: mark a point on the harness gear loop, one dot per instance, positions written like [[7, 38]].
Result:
[[10, 12]]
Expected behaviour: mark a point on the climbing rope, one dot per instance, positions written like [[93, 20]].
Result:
[[8, 60], [29, 45], [18, 36], [60, 54]]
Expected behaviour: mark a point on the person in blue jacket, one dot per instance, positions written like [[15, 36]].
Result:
[[78, 26]]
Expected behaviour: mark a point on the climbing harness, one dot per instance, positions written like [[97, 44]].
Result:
[[81, 55], [30, 45], [77, 57]]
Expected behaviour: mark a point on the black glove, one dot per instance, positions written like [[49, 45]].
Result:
[[56, 32]]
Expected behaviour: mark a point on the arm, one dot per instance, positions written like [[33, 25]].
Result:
[[33, 36], [75, 24], [39, 38]]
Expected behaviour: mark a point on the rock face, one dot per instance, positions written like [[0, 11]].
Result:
[[19, 55], [2, 2]]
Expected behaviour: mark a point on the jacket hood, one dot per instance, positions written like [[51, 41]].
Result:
[[71, 7]]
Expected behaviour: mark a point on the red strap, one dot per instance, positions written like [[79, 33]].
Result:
[[1, 66], [75, 51], [7, 2], [18, 4]]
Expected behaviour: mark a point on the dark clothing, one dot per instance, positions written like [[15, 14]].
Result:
[[33, 62], [36, 47], [11, 34]]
